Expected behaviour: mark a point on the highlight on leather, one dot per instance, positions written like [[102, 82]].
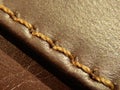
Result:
[[67, 53]]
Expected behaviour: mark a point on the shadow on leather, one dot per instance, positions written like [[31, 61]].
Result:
[[69, 80]]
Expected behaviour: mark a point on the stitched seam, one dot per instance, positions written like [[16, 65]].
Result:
[[67, 53]]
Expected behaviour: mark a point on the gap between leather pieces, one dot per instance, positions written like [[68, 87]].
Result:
[[67, 53]]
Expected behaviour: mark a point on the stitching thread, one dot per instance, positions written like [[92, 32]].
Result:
[[67, 53]]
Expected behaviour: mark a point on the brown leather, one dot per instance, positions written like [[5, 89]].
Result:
[[89, 29], [14, 77], [28, 63]]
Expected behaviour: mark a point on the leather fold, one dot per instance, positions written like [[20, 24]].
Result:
[[79, 38]]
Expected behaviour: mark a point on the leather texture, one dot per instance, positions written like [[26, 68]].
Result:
[[89, 29], [20, 71], [15, 77]]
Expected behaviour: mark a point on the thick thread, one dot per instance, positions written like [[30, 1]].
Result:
[[67, 53]]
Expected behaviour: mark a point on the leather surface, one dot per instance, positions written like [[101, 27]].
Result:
[[89, 29], [29, 65], [20, 56], [14, 77]]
